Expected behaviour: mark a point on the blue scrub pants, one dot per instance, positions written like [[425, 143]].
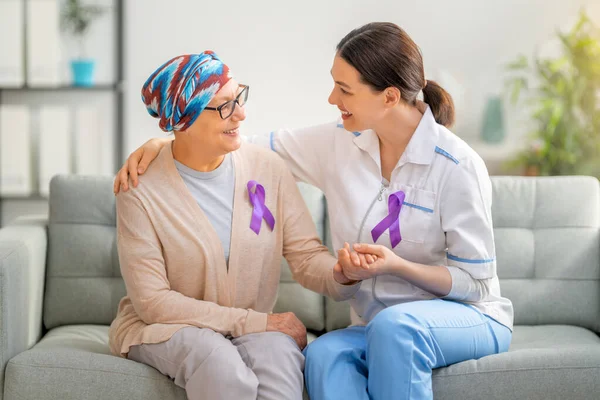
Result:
[[392, 357]]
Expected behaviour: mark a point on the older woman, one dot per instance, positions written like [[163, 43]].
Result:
[[200, 245]]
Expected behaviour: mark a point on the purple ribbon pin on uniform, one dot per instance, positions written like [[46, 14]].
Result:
[[256, 192], [392, 220]]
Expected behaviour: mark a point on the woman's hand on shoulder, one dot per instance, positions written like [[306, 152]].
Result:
[[137, 163]]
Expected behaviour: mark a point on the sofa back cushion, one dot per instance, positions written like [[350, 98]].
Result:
[[547, 235], [83, 278], [308, 306]]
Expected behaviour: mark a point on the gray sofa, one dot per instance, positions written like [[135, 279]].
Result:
[[60, 285]]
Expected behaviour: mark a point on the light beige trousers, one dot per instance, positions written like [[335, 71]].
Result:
[[207, 365]]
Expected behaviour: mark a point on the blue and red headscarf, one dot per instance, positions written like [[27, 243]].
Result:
[[178, 91]]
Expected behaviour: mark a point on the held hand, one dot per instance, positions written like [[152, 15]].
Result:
[[289, 324], [338, 275], [384, 259], [354, 266], [137, 163]]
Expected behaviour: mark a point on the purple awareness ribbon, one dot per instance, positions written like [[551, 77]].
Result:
[[392, 220], [256, 192]]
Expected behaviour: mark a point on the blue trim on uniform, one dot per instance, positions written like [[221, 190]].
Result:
[[446, 154], [271, 140], [464, 260], [429, 210], [356, 134]]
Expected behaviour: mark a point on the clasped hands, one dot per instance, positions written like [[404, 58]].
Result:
[[363, 261]]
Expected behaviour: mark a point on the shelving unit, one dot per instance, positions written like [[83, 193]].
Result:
[[61, 88], [115, 88]]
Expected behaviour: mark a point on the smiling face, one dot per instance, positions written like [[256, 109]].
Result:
[[360, 105], [217, 136]]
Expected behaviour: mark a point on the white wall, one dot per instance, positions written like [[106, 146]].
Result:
[[284, 51]]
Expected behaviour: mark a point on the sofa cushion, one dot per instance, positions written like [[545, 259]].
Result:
[[308, 306], [547, 248], [547, 236], [74, 362], [544, 362], [337, 314], [551, 336], [83, 278]]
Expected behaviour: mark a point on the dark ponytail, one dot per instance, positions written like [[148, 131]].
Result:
[[385, 56], [440, 102]]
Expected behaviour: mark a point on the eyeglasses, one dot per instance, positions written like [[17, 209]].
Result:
[[226, 109]]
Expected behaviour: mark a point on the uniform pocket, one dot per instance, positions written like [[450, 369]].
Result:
[[416, 214]]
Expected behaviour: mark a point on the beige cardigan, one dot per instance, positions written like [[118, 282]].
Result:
[[174, 266]]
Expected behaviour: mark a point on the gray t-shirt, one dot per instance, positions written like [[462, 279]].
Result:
[[214, 193]]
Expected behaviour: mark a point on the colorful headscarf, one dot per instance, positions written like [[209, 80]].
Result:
[[181, 88]]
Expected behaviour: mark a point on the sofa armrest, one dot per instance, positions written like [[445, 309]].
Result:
[[22, 271]]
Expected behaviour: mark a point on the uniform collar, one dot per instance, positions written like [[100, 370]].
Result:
[[369, 141], [420, 148]]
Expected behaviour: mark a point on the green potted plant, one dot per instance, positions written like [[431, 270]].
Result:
[[76, 19], [565, 105]]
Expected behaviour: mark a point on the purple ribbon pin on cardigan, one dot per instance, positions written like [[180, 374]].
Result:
[[392, 220], [256, 192]]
